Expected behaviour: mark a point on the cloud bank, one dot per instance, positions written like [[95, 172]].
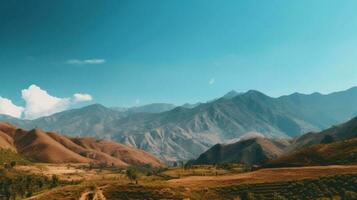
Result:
[[8, 108], [86, 62], [39, 103]]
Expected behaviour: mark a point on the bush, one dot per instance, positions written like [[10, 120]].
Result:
[[349, 195], [132, 174]]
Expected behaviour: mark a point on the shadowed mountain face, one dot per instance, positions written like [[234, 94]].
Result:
[[39, 146], [251, 151], [184, 133]]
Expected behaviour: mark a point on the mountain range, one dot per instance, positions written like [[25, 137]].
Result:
[[49, 147], [183, 133]]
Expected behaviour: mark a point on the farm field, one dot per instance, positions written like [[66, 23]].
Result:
[[265, 175], [199, 183]]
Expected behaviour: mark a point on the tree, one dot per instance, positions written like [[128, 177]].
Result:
[[54, 181], [327, 139], [132, 174], [349, 195], [40, 183], [13, 164]]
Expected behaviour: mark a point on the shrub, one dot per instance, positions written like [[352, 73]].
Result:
[[132, 174], [349, 195]]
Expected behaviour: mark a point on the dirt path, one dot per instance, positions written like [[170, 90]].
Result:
[[93, 195], [264, 175]]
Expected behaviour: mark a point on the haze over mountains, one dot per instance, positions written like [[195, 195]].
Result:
[[184, 133]]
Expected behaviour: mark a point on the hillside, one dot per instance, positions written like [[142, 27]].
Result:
[[336, 145], [250, 151], [184, 133], [342, 152], [39, 146], [343, 131]]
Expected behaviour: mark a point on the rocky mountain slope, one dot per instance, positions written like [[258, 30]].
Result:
[[39, 146], [184, 133]]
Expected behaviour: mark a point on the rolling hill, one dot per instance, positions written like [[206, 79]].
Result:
[[184, 133], [39, 146], [341, 152], [253, 151], [336, 145], [347, 130]]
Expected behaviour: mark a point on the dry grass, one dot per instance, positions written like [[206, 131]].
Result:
[[263, 176], [62, 193], [200, 170]]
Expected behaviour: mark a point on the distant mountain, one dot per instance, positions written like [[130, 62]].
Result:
[[231, 94], [253, 151], [87, 121], [152, 108], [340, 132], [39, 146], [149, 108], [184, 133], [188, 105]]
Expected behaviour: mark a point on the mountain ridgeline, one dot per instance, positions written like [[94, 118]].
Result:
[[183, 133]]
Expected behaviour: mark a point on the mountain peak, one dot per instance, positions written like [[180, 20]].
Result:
[[231, 94], [96, 105], [254, 93]]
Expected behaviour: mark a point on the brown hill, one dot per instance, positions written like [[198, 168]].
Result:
[[250, 151], [40, 146], [342, 152], [340, 132]]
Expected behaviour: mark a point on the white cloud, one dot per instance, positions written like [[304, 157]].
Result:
[[8, 108], [79, 97], [137, 101], [86, 62], [212, 81], [39, 103]]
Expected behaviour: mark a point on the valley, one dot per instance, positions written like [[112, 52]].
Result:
[[178, 100], [197, 183], [250, 166]]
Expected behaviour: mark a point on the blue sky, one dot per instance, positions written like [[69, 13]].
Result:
[[125, 53]]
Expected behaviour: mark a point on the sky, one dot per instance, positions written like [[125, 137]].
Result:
[[55, 55]]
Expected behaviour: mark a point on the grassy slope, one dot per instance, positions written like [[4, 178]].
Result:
[[7, 156]]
